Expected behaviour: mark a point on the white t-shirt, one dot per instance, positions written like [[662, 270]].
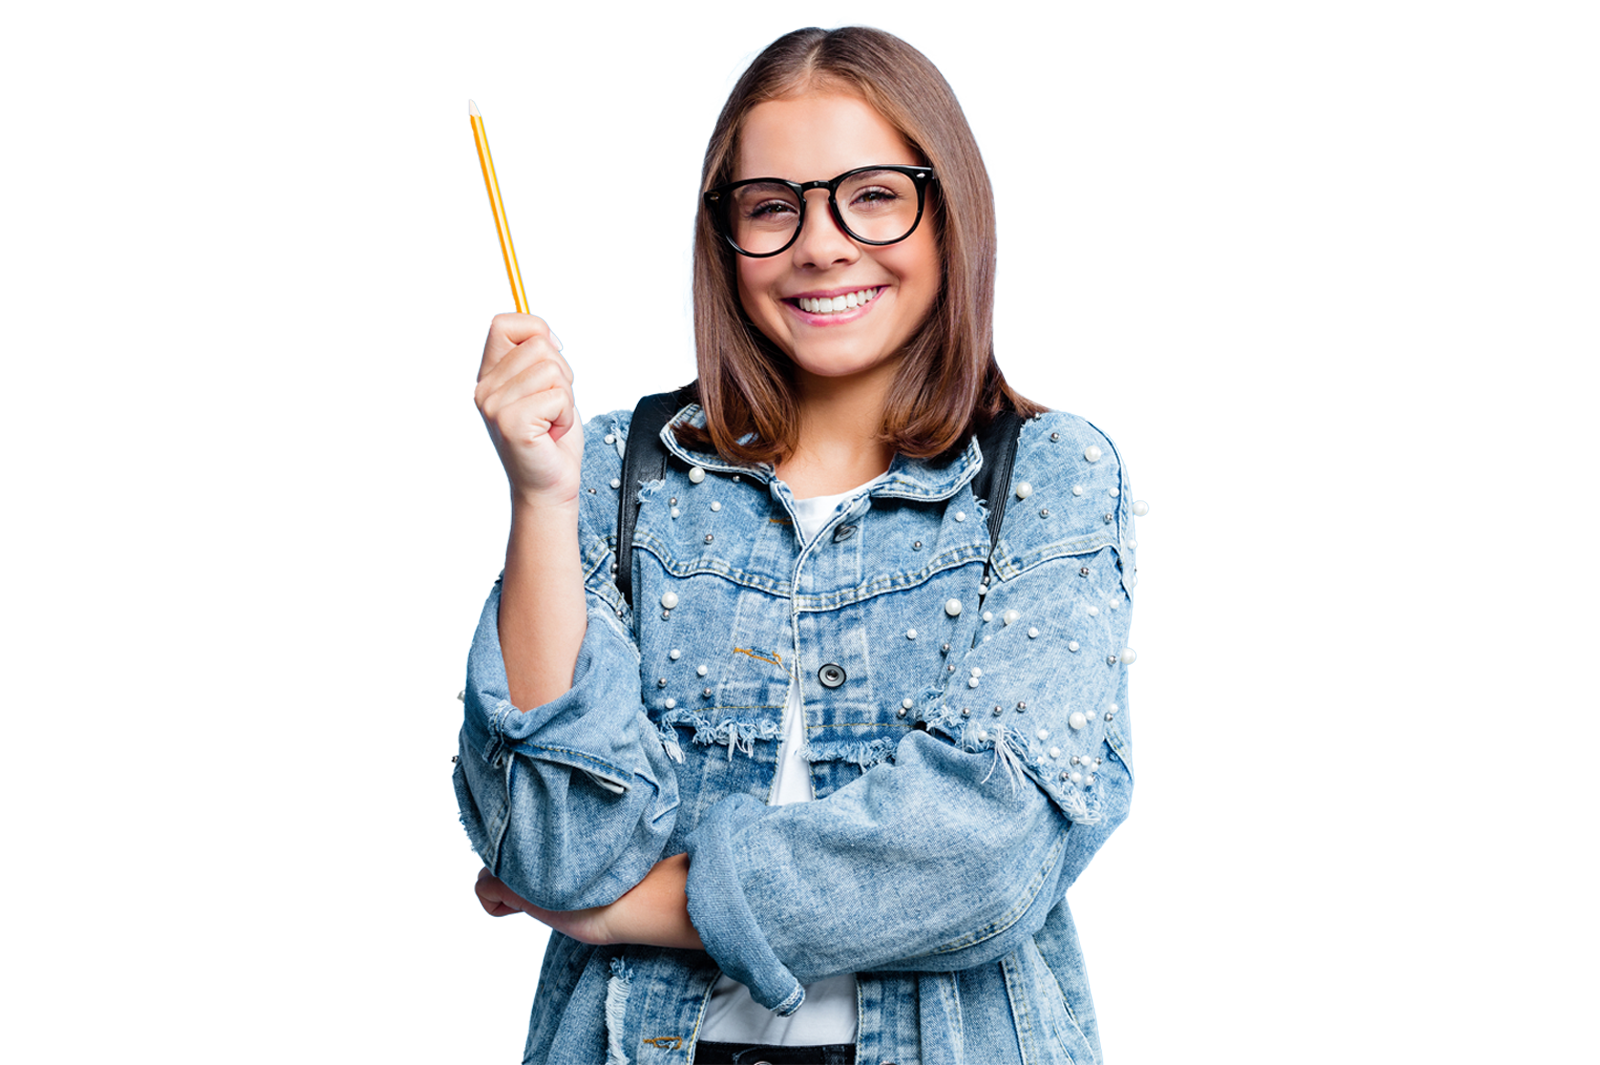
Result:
[[828, 1014]]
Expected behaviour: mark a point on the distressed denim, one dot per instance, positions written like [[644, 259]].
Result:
[[968, 760]]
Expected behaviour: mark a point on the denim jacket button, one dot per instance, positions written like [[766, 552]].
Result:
[[831, 675], [843, 532]]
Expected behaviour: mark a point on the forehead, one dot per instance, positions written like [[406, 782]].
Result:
[[816, 136]]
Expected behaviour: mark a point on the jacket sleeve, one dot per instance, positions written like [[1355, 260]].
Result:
[[954, 854], [572, 802]]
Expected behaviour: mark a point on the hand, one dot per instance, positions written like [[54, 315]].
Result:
[[525, 396], [586, 926], [655, 912]]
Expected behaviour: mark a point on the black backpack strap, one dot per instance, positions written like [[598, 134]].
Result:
[[998, 442], [644, 458]]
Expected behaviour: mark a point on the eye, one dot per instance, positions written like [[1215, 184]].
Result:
[[769, 210], [872, 196]]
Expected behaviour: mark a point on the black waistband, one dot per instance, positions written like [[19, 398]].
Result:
[[707, 1053]]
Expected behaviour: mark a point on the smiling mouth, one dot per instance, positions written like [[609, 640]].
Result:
[[836, 304]]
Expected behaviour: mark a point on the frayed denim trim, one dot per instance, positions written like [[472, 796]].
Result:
[[617, 989]]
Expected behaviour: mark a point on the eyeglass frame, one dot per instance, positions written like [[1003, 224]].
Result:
[[922, 177]]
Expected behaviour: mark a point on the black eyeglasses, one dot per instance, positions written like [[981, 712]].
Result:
[[872, 204]]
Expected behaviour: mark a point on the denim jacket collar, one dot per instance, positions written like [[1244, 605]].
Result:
[[906, 478]]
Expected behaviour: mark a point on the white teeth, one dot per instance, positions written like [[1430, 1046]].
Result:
[[835, 304]]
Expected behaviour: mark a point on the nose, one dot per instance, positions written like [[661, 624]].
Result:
[[822, 243]]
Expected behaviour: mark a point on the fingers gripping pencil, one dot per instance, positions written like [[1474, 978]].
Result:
[[510, 253]]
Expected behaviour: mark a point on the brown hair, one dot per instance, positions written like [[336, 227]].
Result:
[[948, 384]]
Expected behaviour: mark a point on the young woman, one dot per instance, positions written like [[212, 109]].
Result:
[[817, 793]]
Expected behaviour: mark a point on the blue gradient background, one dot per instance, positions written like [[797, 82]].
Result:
[[1364, 706]]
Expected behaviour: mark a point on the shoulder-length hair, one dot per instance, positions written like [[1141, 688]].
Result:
[[948, 384]]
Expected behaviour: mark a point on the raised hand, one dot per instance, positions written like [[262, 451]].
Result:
[[525, 396]]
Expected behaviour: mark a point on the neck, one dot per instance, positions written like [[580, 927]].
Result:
[[838, 446]]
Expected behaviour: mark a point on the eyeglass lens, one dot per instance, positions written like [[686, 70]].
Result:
[[875, 205]]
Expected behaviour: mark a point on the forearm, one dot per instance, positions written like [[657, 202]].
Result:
[[541, 602], [656, 912]]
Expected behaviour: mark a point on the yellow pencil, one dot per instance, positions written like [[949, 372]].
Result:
[[499, 209]]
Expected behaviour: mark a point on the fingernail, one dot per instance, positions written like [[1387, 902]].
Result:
[[557, 339]]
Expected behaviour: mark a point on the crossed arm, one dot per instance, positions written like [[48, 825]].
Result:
[[655, 913]]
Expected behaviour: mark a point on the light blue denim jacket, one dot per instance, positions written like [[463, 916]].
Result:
[[967, 760]]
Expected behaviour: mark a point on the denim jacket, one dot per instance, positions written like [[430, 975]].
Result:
[[968, 755]]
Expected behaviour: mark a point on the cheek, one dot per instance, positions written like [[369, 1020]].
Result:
[[751, 287]]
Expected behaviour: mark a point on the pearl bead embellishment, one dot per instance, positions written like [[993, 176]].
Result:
[[1077, 720], [616, 482], [1077, 489], [976, 672], [1043, 734], [972, 682], [952, 607], [911, 634], [988, 615], [715, 506], [670, 703], [674, 654], [1129, 656], [1072, 645], [700, 671], [610, 439], [675, 512], [961, 515], [696, 474], [1055, 752], [669, 600], [905, 704], [1024, 490], [1010, 616], [1092, 453], [1140, 508], [1032, 632]]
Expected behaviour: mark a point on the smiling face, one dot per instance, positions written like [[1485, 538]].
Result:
[[791, 297]]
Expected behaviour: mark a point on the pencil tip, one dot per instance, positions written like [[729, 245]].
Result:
[[472, 109]]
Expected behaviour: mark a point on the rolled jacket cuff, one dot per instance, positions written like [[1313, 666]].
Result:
[[597, 725], [722, 915]]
